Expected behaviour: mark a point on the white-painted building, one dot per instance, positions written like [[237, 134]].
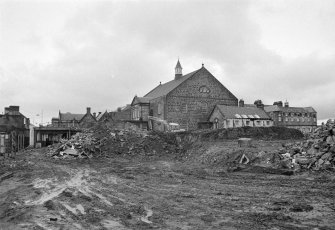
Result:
[[224, 116]]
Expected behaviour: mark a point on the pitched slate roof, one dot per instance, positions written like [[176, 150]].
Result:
[[273, 108], [230, 111], [140, 100], [164, 89], [70, 116]]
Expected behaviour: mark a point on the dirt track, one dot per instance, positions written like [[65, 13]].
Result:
[[159, 193]]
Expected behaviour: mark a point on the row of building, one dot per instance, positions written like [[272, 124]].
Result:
[[198, 100], [193, 101]]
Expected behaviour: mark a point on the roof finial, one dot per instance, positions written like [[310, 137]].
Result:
[[202, 64]]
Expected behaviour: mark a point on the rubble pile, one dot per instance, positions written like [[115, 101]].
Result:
[[106, 141], [316, 153]]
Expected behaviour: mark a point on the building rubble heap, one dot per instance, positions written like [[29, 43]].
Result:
[[316, 153], [105, 141]]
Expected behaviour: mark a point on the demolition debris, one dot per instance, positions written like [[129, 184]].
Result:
[[104, 141]]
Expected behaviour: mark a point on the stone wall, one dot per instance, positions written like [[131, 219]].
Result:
[[87, 121], [193, 100], [158, 107]]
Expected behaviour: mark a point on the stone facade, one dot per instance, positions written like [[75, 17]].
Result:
[[193, 100], [88, 120], [302, 118], [188, 100]]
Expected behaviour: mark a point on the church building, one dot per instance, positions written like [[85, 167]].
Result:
[[187, 99]]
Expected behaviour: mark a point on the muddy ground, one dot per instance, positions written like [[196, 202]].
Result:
[[169, 192]]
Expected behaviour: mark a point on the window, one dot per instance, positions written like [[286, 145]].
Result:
[[286, 119], [204, 89], [204, 108], [216, 123], [247, 122], [267, 122], [279, 118], [184, 109]]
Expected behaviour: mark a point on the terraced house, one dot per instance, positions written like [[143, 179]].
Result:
[[14, 130], [187, 99], [74, 120], [302, 118]]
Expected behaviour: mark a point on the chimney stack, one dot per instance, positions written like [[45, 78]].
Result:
[[259, 104], [241, 103], [88, 110], [286, 104], [279, 103], [94, 114], [14, 108]]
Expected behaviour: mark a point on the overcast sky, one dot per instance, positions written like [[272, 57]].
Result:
[[69, 55]]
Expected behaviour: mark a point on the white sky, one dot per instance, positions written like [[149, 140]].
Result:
[[68, 55]]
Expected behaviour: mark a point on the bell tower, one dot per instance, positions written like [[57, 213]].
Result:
[[178, 71]]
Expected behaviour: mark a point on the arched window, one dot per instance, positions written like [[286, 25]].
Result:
[[216, 123], [204, 89]]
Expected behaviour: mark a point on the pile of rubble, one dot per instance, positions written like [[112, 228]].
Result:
[[81, 145], [106, 141], [316, 153]]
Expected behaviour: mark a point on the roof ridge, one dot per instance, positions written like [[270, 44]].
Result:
[[176, 81]]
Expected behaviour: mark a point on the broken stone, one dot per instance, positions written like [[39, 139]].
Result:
[[302, 160], [326, 155], [72, 152]]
